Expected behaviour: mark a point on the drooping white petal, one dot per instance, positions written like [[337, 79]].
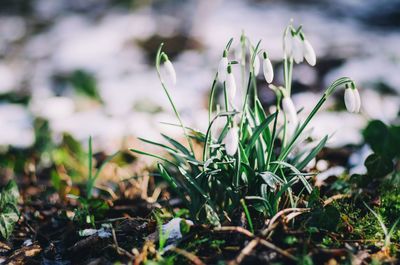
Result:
[[290, 111], [297, 50], [231, 86], [170, 72], [223, 64], [288, 44], [256, 65], [231, 141], [350, 100], [357, 99], [268, 70], [309, 53]]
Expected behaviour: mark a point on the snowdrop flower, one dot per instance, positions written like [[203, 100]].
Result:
[[352, 99], [290, 111], [288, 43], [230, 83], [309, 53], [297, 49], [256, 65], [223, 64], [231, 141], [169, 70], [267, 68]]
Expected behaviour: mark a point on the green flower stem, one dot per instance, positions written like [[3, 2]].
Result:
[[214, 86], [237, 168], [211, 98], [158, 60], [243, 59], [246, 98], [208, 133], [254, 84], [273, 137], [290, 76], [247, 213], [340, 82], [226, 101]]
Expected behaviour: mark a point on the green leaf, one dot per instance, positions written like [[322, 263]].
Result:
[[376, 135], [85, 83], [314, 152], [212, 216], [296, 172], [314, 199], [394, 141], [178, 146], [7, 222], [9, 213], [378, 166], [259, 129], [326, 218]]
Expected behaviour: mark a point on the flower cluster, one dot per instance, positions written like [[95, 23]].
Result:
[[248, 162], [296, 46]]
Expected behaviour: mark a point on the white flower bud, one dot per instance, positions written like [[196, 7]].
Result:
[[170, 71], [223, 64], [288, 44], [256, 65], [230, 84], [290, 111], [358, 100], [297, 50], [350, 100], [268, 69], [231, 141], [309, 53]]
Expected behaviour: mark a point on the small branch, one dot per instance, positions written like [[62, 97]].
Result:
[[279, 214], [256, 240], [277, 249], [245, 252], [336, 197], [190, 256], [234, 229]]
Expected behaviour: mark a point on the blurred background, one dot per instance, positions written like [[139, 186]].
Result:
[[85, 67]]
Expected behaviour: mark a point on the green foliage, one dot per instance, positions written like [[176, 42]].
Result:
[[322, 217], [85, 84], [326, 218], [378, 166], [9, 213], [265, 173], [385, 142], [91, 209]]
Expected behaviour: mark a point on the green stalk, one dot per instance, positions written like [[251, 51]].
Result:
[[290, 75], [245, 103], [254, 78], [89, 185], [243, 59], [211, 98], [206, 144], [214, 85], [158, 60], [273, 137], [340, 82], [226, 98], [247, 213]]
